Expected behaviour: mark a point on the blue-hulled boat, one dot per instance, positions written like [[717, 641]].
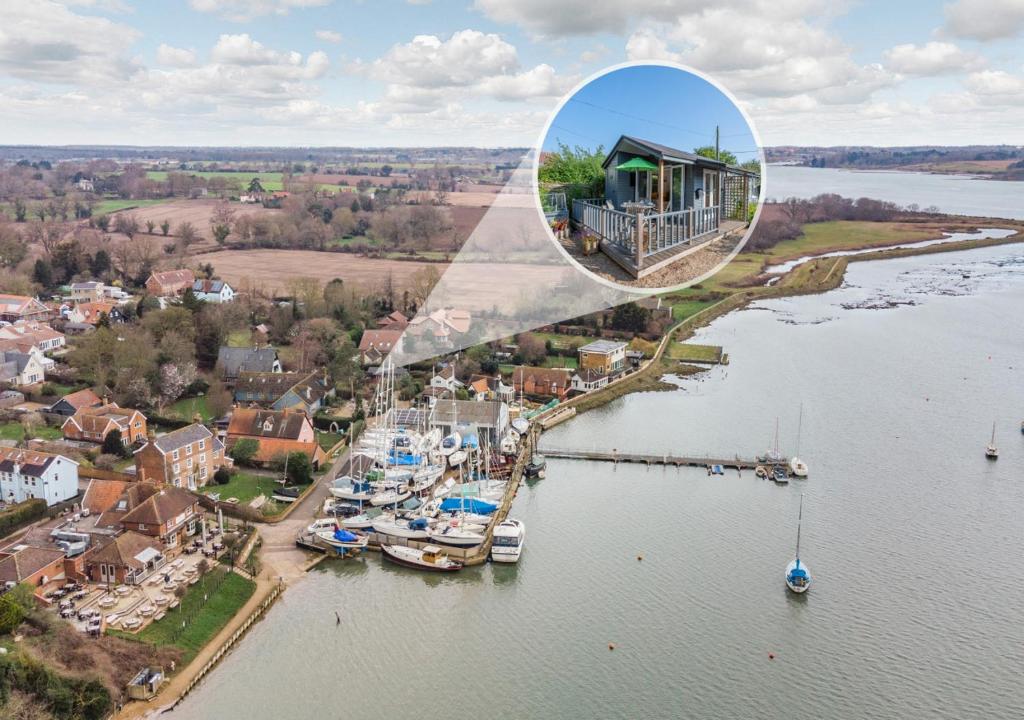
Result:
[[798, 577]]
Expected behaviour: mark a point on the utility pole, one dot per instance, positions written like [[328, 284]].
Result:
[[717, 156]]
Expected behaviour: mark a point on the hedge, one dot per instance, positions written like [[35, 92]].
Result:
[[65, 697], [22, 514]]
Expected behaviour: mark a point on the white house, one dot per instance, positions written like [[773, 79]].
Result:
[[85, 185], [587, 380], [21, 368], [26, 474], [214, 291], [445, 379]]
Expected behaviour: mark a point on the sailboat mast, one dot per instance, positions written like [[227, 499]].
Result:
[[799, 428], [799, 522]]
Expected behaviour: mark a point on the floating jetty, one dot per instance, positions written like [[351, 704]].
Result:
[[614, 456]]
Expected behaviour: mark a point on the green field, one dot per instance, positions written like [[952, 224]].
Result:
[[186, 408], [558, 361], [688, 352], [563, 341], [271, 181], [825, 237], [104, 207], [243, 486], [327, 440], [204, 620], [15, 431], [686, 308]]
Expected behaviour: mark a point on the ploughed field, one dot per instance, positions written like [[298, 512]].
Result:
[[269, 269]]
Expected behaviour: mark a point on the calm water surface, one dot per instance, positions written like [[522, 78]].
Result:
[[956, 194], [914, 540]]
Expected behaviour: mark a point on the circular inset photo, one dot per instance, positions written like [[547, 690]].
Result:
[[649, 176]]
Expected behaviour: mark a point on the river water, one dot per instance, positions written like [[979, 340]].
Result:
[[913, 537], [955, 194]]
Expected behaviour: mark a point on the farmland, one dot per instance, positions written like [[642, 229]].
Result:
[[197, 212], [270, 269], [271, 181]]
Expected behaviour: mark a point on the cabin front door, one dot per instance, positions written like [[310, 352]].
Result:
[[711, 188]]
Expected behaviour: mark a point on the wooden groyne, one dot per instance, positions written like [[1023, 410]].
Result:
[[614, 456]]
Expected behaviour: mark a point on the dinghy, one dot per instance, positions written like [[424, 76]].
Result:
[[457, 458]]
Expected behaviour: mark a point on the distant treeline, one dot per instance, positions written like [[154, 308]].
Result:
[[880, 157], [785, 220]]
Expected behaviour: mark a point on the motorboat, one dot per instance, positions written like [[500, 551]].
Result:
[[321, 524], [430, 558], [507, 541], [798, 577], [414, 529], [451, 444], [458, 535], [342, 539], [761, 471], [716, 470], [536, 467], [362, 521], [390, 496], [779, 475]]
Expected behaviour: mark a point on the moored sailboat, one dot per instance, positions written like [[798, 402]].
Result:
[[992, 452], [798, 577]]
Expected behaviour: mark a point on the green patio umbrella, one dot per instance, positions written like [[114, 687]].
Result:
[[638, 165]]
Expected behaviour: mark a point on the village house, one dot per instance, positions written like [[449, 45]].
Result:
[[85, 185], [20, 368], [127, 559], [541, 382], [170, 515], [277, 432], [186, 457], [26, 474], [16, 308], [91, 313], [375, 345], [393, 321], [32, 565], [233, 361], [213, 291], [445, 379], [34, 334], [303, 391], [93, 424], [587, 380], [486, 387], [441, 326], [92, 290], [489, 418], [605, 356], [169, 282], [73, 402]]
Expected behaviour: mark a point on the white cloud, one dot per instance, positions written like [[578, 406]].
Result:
[[243, 10], [996, 87], [581, 17], [465, 58], [540, 82], [44, 41], [985, 19], [779, 53], [175, 57], [593, 54], [328, 36], [932, 58]]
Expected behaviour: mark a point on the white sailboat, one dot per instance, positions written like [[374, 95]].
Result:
[[798, 577], [390, 496], [457, 458], [414, 529], [797, 466], [992, 452]]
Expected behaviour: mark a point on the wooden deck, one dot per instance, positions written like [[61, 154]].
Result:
[[613, 456]]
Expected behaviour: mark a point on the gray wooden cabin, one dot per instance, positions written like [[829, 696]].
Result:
[[661, 203]]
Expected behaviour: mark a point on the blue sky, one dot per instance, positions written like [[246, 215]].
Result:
[[661, 104], [489, 72]]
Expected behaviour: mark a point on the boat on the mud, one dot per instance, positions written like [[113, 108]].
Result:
[[430, 558]]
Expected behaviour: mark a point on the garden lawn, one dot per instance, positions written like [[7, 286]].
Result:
[[104, 207], [206, 619], [559, 361], [239, 338], [186, 408], [328, 440], [243, 486], [15, 431]]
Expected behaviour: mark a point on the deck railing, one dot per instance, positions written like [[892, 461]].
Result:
[[660, 232], [613, 226], [667, 230]]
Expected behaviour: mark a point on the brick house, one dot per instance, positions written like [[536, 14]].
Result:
[[73, 402], [375, 345], [170, 515], [28, 564], [278, 432], [605, 356], [543, 382], [187, 457], [127, 559], [170, 282], [94, 424]]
